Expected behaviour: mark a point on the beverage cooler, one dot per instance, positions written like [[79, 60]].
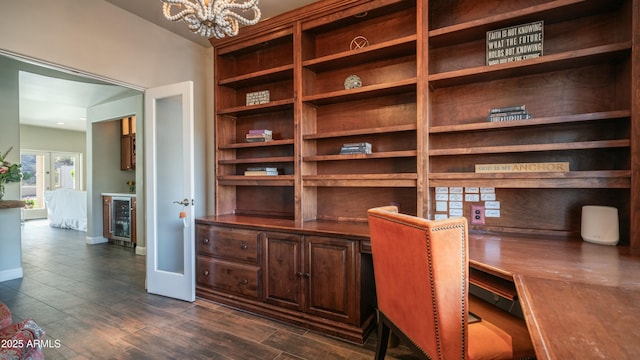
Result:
[[121, 218]]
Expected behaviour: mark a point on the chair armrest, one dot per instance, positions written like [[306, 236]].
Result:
[[19, 340], [5, 316]]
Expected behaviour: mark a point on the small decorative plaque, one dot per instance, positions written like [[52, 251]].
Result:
[[523, 167], [515, 43], [258, 97]]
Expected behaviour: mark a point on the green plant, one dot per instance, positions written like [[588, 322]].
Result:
[[9, 172]]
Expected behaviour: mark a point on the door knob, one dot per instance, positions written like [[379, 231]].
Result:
[[184, 202]]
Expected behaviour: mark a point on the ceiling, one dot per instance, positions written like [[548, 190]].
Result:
[[62, 103]]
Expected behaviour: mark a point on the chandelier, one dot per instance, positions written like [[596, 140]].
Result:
[[208, 18]]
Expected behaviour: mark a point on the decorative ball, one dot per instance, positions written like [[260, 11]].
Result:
[[352, 82]]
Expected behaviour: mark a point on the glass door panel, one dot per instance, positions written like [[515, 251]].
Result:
[[35, 179], [64, 174]]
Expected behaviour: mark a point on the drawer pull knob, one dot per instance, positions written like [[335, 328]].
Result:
[[205, 241], [244, 247], [206, 273], [245, 282], [298, 273]]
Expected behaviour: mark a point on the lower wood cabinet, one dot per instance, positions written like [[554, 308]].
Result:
[[230, 277], [228, 260], [284, 276], [330, 278], [304, 279]]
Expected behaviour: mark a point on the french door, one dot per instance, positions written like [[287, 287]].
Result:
[[169, 163], [46, 171]]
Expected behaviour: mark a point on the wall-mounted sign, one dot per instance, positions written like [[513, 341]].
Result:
[[515, 43]]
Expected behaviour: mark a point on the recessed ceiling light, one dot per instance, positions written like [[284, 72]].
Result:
[[60, 123]]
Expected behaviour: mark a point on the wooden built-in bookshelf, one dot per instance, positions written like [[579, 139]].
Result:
[[423, 104]]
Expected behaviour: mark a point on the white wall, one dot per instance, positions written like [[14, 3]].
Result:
[[10, 238], [105, 176], [96, 37], [50, 139]]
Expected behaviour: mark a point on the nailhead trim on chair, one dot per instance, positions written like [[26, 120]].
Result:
[[433, 296], [464, 277]]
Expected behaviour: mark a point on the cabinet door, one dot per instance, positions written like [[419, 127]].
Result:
[[126, 144], [283, 270], [331, 268], [106, 217]]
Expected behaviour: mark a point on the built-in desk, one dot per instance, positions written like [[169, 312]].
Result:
[[580, 300]]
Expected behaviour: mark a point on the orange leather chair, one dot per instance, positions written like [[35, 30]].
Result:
[[421, 271]]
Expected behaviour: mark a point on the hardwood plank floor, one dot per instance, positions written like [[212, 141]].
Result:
[[91, 301]]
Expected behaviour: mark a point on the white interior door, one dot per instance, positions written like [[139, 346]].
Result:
[[169, 187]]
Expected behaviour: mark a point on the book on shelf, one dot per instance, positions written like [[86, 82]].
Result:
[[356, 148], [261, 171], [262, 168], [258, 138], [260, 132], [508, 113], [499, 117], [507, 109], [258, 135]]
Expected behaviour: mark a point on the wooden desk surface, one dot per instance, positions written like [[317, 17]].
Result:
[[580, 300]]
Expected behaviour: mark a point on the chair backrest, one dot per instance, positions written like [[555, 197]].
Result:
[[421, 273]]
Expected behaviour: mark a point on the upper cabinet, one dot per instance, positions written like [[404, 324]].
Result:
[[128, 143], [371, 103]]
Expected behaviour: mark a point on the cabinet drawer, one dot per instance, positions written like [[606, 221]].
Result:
[[235, 244], [240, 279]]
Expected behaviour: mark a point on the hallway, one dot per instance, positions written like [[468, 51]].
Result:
[[92, 299]]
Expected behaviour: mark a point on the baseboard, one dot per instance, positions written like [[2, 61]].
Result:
[[141, 250], [93, 240], [10, 274]]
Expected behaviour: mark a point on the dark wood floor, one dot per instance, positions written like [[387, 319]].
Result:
[[91, 301]]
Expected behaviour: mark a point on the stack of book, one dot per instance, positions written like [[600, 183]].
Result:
[[261, 171], [509, 113], [260, 135], [356, 148]]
